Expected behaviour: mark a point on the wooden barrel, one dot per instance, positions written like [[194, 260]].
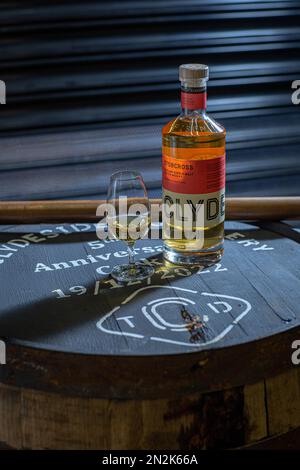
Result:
[[192, 359]]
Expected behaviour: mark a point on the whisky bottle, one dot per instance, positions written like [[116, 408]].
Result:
[[193, 165]]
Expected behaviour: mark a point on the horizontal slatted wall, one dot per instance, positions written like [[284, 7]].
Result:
[[90, 84]]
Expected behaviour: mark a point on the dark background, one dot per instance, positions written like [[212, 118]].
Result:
[[91, 83]]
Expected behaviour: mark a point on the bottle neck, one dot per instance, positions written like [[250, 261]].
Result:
[[193, 99]]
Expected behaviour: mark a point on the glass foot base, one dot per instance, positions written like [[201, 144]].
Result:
[[136, 272], [194, 258]]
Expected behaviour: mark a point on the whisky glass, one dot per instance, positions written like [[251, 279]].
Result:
[[129, 221]]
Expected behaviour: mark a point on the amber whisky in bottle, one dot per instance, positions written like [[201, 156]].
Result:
[[193, 165]]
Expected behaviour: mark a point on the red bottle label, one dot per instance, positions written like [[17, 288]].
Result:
[[193, 176], [193, 100]]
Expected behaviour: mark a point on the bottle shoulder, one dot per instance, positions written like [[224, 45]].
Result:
[[194, 124]]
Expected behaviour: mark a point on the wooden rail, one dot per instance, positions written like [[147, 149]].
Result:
[[252, 208]]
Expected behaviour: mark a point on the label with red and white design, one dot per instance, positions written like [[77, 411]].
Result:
[[195, 182], [192, 100]]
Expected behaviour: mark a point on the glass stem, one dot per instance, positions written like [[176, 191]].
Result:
[[130, 249]]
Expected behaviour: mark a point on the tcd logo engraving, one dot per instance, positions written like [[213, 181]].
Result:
[[153, 313]]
